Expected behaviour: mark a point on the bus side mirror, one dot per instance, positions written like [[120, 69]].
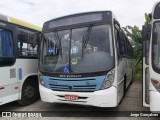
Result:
[[146, 32]]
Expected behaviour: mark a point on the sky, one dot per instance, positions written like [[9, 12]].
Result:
[[128, 12]]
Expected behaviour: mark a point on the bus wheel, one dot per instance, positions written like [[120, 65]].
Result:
[[30, 92]]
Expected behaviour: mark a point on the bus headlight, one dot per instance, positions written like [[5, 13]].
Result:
[[41, 80], [108, 80], [156, 84]]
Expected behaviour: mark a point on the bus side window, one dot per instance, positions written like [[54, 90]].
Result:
[[6, 43], [6, 47], [26, 46], [125, 46], [129, 49]]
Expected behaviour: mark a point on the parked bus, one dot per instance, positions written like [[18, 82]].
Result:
[[151, 60], [85, 59], [18, 61]]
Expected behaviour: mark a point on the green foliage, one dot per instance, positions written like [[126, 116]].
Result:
[[135, 37], [147, 18]]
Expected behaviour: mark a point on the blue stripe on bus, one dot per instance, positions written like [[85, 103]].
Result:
[[89, 84]]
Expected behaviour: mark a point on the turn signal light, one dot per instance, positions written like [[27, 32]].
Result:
[[156, 84], [154, 81]]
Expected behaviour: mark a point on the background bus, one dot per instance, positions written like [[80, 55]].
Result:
[[18, 61], [85, 59], [151, 61]]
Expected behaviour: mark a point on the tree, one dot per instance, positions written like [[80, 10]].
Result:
[[147, 18], [135, 37]]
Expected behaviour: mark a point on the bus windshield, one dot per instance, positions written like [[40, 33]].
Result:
[[156, 45], [80, 50]]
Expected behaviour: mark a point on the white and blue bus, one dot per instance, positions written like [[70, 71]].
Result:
[[18, 61], [85, 59], [151, 60]]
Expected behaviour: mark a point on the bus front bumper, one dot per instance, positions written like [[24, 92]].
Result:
[[155, 101], [101, 98]]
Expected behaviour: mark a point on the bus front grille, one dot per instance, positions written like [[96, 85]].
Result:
[[73, 88], [89, 84]]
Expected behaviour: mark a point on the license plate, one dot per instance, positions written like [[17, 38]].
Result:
[[71, 97]]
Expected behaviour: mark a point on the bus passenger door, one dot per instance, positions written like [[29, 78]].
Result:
[[120, 64], [145, 42]]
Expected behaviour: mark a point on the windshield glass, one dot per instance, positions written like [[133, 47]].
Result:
[[81, 50], [156, 45]]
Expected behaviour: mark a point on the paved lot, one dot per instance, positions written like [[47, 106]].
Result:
[[132, 102]]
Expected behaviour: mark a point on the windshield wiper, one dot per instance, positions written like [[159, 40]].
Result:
[[86, 37], [58, 41]]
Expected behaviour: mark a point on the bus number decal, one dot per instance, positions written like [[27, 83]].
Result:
[[13, 73]]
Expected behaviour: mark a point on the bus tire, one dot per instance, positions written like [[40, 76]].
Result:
[[30, 92]]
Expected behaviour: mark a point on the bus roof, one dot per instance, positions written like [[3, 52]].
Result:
[[19, 22], [88, 12]]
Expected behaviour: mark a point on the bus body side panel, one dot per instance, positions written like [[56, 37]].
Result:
[[9, 76], [119, 68], [8, 80], [129, 71], [120, 78], [26, 68], [13, 88]]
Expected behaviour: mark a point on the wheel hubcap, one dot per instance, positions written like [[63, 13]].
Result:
[[29, 92]]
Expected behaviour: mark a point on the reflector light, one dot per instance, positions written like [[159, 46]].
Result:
[[1, 88]]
